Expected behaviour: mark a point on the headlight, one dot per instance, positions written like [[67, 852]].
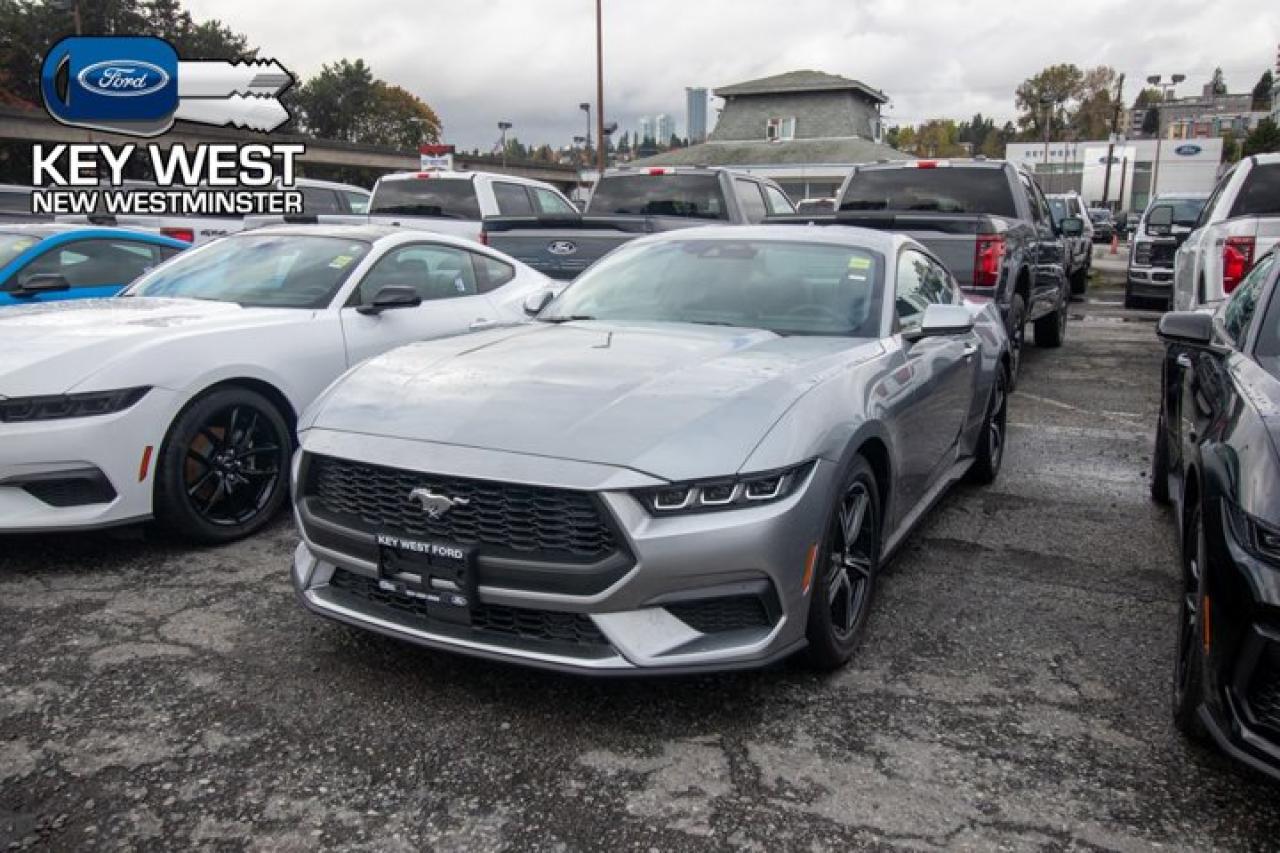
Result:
[[728, 493], [1142, 253], [58, 406], [1257, 537]]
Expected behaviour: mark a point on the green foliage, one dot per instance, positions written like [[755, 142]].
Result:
[[1262, 91], [1218, 83], [1151, 121], [1263, 139]]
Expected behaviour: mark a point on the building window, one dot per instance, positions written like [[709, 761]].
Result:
[[780, 128]]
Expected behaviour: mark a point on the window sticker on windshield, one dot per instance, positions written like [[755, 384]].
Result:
[[23, 244], [340, 262], [859, 263]]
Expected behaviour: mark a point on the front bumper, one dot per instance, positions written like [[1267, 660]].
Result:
[[82, 473], [713, 591], [1154, 282]]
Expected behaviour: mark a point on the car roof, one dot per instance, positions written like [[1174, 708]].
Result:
[[51, 229], [372, 233], [329, 185], [455, 175], [852, 236]]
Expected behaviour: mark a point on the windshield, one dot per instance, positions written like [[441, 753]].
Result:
[[944, 190], [1060, 207], [274, 271], [1100, 215], [449, 198], [1185, 210], [12, 245], [786, 287], [693, 196]]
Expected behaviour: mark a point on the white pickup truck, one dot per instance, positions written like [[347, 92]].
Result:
[[1239, 223], [324, 197]]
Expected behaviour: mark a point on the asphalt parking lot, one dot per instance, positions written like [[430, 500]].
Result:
[[1011, 691]]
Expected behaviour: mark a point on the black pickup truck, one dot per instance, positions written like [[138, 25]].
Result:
[[628, 203], [986, 220]]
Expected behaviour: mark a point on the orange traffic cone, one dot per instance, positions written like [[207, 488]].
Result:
[[1115, 244]]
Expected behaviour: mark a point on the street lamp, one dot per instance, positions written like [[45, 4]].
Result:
[[1165, 89], [586, 108], [504, 126], [1047, 101]]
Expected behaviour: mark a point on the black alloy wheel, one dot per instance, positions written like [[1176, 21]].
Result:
[[989, 453], [223, 472], [1188, 676], [845, 570], [1051, 329], [1017, 331]]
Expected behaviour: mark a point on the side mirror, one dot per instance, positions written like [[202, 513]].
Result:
[[537, 301], [1072, 226], [941, 321], [49, 282], [1160, 220], [389, 297], [1188, 328]]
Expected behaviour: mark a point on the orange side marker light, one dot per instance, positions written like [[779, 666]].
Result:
[[146, 463], [807, 580]]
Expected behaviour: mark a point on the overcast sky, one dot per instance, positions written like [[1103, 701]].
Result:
[[532, 61]]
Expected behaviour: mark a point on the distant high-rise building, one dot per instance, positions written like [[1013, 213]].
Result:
[[664, 127], [695, 114], [646, 128]]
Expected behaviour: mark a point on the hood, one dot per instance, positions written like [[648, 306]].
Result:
[[50, 347], [674, 401]]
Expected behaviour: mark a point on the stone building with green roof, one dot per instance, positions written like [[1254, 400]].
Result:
[[804, 129]]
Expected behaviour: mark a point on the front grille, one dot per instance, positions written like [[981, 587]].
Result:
[[1264, 689], [71, 491], [487, 620], [716, 615], [1162, 254], [522, 520]]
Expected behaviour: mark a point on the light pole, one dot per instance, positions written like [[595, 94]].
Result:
[[1047, 102], [1165, 89], [504, 126], [586, 108], [600, 157]]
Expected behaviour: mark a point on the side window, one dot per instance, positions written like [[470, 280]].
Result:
[[320, 200], [920, 283], [94, 263], [1032, 202], [548, 202], [1237, 315], [750, 199], [777, 200], [493, 273], [436, 272], [512, 199], [358, 202], [1207, 210]]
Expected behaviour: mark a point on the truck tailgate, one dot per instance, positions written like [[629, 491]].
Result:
[[563, 246]]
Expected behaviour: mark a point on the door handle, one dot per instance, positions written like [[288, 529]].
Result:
[[481, 323], [1184, 361]]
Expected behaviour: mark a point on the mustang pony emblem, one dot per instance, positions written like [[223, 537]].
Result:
[[435, 505]]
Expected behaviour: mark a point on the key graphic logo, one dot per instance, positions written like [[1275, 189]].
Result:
[[136, 85]]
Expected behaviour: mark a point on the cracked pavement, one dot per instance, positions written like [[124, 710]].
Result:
[[1011, 691]]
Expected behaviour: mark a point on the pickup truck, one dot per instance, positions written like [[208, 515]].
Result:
[[1154, 241], [444, 201], [627, 203], [1239, 223], [987, 221], [317, 197]]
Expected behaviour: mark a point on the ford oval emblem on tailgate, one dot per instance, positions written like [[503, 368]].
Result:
[[562, 247]]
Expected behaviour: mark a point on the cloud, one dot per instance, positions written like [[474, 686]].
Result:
[[480, 61]]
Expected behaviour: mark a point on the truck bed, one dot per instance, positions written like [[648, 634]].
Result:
[[563, 246]]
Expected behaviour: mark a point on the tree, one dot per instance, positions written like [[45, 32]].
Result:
[[1096, 105], [1262, 92], [1146, 97], [1230, 147], [398, 119], [347, 103], [1057, 84], [1217, 83], [1263, 139], [1151, 122]]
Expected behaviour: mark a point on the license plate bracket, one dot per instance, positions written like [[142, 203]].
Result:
[[439, 575]]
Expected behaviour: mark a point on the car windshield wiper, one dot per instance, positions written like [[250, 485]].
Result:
[[566, 318]]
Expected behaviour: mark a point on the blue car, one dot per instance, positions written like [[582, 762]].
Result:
[[48, 261]]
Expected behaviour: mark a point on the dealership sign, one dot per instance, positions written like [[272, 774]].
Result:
[[436, 157], [1187, 150]]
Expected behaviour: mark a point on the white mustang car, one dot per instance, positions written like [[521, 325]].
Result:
[[177, 400]]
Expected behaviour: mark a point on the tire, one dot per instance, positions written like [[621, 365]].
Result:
[[211, 490], [1160, 464], [845, 574], [1051, 329], [1017, 331], [1080, 281], [991, 442], [1131, 301], [1188, 672]]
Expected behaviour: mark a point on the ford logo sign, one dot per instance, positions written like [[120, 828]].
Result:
[[1187, 150], [562, 247], [123, 79]]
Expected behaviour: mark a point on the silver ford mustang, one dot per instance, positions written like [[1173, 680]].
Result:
[[698, 456]]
